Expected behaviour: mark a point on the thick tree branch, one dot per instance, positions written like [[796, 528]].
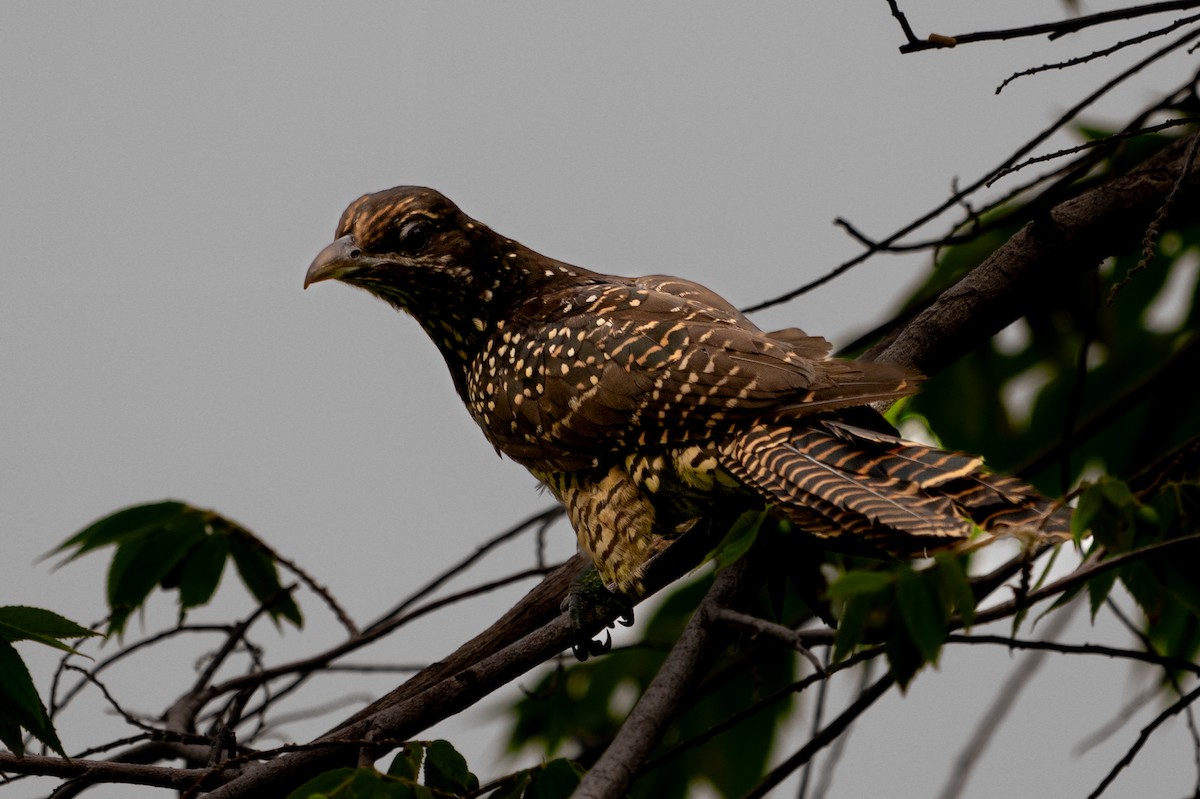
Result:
[[1070, 238]]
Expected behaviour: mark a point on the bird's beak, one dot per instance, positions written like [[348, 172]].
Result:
[[337, 260]]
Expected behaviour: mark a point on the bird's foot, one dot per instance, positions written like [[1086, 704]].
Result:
[[588, 603]]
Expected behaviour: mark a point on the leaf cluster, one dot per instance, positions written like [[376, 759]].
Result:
[[176, 547], [20, 705]]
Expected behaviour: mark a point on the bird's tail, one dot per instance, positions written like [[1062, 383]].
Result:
[[834, 479]]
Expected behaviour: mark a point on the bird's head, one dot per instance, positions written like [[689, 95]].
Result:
[[393, 243], [415, 249]]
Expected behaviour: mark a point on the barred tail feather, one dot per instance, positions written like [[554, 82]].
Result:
[[836, 479]]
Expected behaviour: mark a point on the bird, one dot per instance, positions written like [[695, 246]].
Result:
[[650, 405]]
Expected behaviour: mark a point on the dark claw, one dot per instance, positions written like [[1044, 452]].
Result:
[[592, 648], [626, 618]]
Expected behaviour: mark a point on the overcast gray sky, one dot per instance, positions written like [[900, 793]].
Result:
[[169, 171]]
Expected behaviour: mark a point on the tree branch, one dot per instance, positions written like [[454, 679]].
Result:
[[1068, 239], [822, 739], [700, 642], [108, 771], [1052, 29]]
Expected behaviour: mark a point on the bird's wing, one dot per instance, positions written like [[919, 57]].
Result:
[[622, 365]]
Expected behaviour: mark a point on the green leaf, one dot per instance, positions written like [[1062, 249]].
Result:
[[202, 569], [124, 525], [1089, 504], [1099, 587], [957, 586], [10, 735], [513, 787], [324, 784], [556, 780], [20, 706], [446, 769], [142, 563], [923, 617], [407, 762], [858, 582], [851, 625], [360, 783], [738, 540], [19, 623], [258, 572]]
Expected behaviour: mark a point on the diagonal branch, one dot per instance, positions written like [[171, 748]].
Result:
[[1068, 239], [700, 642], [826, 736]]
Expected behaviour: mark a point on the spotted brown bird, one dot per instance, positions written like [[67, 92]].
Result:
[[648, 404]]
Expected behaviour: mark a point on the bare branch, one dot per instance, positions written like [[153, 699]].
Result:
[[958, 196], [539, 519], [1070, 238], [108, 771], [1002, 704], [1121, 45], [1051, 29], [822, 739], [1150, 241], [1147, 731], [793, 638]]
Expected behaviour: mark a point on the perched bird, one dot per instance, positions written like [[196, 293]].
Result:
[[648, 404]]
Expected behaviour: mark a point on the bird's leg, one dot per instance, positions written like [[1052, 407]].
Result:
[[588, 602]]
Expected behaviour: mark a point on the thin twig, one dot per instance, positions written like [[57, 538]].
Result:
[[1084, 572], [797, 687], [542, 516], [958, 196], [839, 746], [1052, 29], [1121, 45], [1095, 143], [822, 739], [321, 591], [1144, 736], [789, 636], [1150, 242], [1002, 704]]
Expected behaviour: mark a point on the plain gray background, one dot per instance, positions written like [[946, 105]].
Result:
[[169, 171]]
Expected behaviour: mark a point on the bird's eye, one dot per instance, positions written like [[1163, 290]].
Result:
[[413, 235]]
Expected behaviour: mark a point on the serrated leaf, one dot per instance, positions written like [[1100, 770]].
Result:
[[140, 564], [258, 572], [922, 614], [202, 570], [20, 623], [446, 769], [124, 525], [21, 706], [859, 582], [1099, 588], [957, 585], [556, 780], [1089, 504], [851, 626]]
